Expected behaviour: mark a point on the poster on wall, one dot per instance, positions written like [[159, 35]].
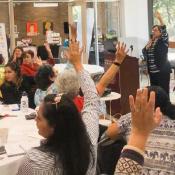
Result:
[[3, 42], [32, 28], [47, 26]]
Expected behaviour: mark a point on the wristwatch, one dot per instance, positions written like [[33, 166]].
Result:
[[117, 64]]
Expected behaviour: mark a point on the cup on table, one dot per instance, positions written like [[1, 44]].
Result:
[[3, 136]]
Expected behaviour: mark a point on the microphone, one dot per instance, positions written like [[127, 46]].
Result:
[[132, 48]]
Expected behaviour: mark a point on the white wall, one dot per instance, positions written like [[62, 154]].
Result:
[[134, 21]]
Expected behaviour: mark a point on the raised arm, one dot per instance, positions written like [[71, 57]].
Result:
[[114, 68], [91, 108], [144, 120], [49, 52], [164, 35], [159, 18]]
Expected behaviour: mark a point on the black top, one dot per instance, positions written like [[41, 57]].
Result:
[[11, 94]]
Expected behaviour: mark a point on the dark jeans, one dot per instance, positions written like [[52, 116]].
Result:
[[160, 79]]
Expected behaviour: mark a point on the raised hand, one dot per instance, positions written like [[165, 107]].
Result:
[[144, 116], [157, 15], [75, 52], [38, 61], [73, 32], [121, 52]]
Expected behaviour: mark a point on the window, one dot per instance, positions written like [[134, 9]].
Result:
[[167, 9]]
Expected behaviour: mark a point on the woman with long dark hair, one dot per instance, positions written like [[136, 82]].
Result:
[[17, 55], [15, 84], [71, 139], [11, 86]]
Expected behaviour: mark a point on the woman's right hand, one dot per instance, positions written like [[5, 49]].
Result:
[[149, 44], [14, 58]]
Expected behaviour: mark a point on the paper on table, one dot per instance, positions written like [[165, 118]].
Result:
[[14, 150], [9, 110], [9, 107]]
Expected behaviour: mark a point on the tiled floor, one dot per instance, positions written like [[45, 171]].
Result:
[[144, 81]]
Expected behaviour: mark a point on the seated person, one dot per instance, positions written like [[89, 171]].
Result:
[[14, 84], [17, 55], [30, 64], [160, 150], [44, 79], [71, 139], [68, 82]]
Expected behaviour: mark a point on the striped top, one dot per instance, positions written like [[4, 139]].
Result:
[[150, 53], [151, 61], [37, 162]]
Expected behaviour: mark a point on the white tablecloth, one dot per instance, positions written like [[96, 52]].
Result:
[[20, 131], [92, 69]]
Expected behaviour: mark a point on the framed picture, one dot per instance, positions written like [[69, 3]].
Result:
[[47, 26], [32, 28]]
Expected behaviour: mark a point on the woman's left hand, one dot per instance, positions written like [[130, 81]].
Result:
[[121, 52]]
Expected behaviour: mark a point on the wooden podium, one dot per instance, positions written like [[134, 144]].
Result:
[[126, 82]]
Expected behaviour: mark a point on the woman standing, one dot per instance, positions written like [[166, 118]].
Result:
[[156, 54]]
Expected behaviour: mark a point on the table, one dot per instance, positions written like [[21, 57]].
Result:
[[92, 69], [21, 131], [110, 97]]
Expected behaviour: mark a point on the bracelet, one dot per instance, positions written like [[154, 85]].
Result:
[[134, 149], [117, 64]]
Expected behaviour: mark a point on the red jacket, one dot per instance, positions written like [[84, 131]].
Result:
[[79, 102], [29, 70]]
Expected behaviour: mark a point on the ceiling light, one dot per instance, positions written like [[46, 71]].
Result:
[[45, 4]]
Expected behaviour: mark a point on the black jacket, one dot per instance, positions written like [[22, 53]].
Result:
[[160, 53], [11, 94]]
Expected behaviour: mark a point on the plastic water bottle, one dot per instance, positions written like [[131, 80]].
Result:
[[24, 102]]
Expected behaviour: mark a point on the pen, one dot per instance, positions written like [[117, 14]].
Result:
[[15, 109]]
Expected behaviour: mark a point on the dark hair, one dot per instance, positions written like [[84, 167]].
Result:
[[1, 59], [16, 68], [158, 26], [70, 140], [43, 76], [162, 101], [30, 52], [19, 60]]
